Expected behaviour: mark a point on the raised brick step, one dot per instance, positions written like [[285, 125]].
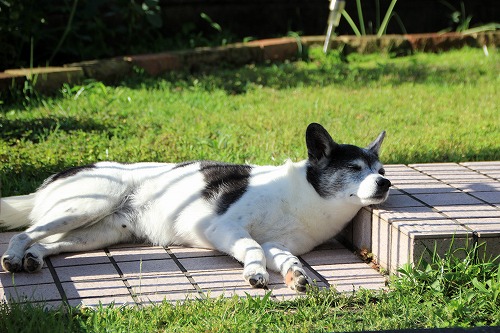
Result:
[[432, 205]]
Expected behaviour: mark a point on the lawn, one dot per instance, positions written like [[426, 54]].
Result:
[[434, 107]]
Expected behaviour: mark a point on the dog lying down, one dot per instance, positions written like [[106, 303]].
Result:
[[264, 216]]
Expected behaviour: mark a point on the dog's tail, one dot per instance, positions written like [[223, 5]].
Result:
[[14, 211]]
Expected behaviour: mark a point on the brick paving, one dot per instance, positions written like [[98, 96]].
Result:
[[429, 204], [142, 274]]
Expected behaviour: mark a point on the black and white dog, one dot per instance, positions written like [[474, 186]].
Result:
[[264, 216]]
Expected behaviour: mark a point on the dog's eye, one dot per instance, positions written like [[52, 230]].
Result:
[[354, 167], [382, 171]]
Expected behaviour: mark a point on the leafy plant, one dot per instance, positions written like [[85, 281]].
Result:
[[72, 29], [380, 28], [458, 17], [460, 20], [469, 285]]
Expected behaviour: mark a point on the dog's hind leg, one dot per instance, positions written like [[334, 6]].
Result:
[[97, 236], [280, 259], [63, 217]]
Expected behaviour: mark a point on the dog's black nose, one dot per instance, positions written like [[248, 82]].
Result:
[[383, 183]]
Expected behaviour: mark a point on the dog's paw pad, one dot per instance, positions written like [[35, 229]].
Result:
[[297, 279], [11, 263], [32, 263], [257, 281]]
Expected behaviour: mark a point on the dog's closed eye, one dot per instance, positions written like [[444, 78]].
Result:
[[355, 167]]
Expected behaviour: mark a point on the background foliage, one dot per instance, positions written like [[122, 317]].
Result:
[[47, 32], [57, 32]]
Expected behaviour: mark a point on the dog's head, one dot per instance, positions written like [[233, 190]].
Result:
[[345, 172]]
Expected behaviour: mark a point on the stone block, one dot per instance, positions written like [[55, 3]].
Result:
[[277, 49], [107, 70], [155, 64], [49, 79]]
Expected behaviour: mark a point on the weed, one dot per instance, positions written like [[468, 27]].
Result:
[[380, 28], [460, 20], [466, 284]]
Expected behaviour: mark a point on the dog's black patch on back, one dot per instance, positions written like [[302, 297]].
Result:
[[66, 173], [225, 183], [183, 164]]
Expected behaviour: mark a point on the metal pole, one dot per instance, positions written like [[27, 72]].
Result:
[[336, 8]]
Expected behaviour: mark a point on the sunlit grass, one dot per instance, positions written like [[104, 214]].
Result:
[[434, 107]]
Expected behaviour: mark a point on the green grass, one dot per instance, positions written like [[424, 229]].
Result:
[[435, 108], [446, 292]]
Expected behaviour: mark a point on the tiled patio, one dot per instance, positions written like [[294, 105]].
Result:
[[148, 274], [429, 204]]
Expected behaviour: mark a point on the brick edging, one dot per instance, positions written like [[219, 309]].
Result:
[[49, 79]]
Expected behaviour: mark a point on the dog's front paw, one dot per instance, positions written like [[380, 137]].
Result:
[[258, 281], [257, 278], [32, 262], [12, 263], [297, 279]]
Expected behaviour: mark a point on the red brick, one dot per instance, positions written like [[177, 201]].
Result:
[[432, 42]]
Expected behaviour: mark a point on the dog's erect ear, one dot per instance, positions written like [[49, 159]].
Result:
[[375, 145], [319, 143]]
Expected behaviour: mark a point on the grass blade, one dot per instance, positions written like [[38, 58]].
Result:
[[360, 17], [351, 23], [399, 22], [385, 22]]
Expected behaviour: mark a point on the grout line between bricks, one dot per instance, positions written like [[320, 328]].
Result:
[[458, 189], [136, 299], [57, 282], [432, 207], [479, 172], [482, 174], [185, 272], [475, 237], [321, 277]]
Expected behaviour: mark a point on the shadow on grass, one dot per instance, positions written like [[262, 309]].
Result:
[[26, 178], [332, 71], [442, 156], [26, 175], [317, 71], [38, 129]]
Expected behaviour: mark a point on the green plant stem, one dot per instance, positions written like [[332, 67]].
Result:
[[66, 31], [385, 22], [400, 22], [486, 27], [360, 16], [351, 23], [377, 15]]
